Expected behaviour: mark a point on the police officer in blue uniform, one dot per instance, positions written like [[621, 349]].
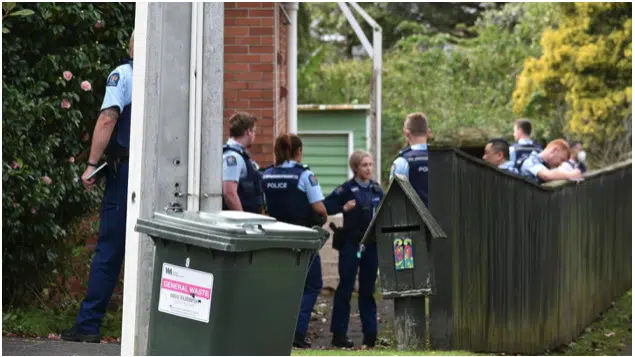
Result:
[[412, 162], [112, 137], [524, 145], [497, 153], [544, 166], [294, 196], [242, 187], [358, 200]]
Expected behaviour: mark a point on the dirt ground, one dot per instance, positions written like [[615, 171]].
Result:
[[319, 328]]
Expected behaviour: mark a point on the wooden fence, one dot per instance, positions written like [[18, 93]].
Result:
[[526, 267]]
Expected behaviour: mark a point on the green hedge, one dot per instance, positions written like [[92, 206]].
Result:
[[55, 63]]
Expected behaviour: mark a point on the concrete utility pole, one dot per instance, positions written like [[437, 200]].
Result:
[[176, 136]]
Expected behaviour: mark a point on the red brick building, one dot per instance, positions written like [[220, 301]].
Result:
[[256, 69]]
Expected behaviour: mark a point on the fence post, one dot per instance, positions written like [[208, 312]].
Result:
[[441, 193]]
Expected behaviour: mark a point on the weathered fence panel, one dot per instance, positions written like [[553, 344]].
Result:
[[531, 266]]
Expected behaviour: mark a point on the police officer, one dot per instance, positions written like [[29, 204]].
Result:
[[112, 137], [524, 145], [543, 167], [358, 200], [497, 154], [412, 162], [294, 196], [242, 189]]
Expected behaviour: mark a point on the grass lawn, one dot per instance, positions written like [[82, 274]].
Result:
[[608, 335], [378, 352]]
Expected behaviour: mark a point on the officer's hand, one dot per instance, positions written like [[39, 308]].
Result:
[[349, 205], [88, 184]]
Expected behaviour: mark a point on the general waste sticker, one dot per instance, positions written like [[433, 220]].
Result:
[[186, 292]]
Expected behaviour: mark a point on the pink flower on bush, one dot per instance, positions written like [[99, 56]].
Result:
[[15, 165], [99, 24], [16, 205], [47, 180], [67, 75], [65, 103], [86, 137], [86, 86], [71, 159], [33, 211]]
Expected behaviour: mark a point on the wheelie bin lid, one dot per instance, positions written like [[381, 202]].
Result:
[[231, 231]]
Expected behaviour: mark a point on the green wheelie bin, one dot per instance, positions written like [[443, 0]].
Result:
[[226, 283]]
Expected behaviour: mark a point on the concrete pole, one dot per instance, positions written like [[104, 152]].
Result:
[[159, 149], [212, 107]]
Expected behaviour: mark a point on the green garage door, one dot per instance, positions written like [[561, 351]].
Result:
[[327, 155]]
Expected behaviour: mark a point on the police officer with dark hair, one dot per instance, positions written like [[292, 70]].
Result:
[[242, 189], [524, 145], [412, 162], [112, 137], [497, 153], [358, 200], [294, 196]]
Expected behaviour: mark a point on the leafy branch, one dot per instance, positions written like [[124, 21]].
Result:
[[6, 12]]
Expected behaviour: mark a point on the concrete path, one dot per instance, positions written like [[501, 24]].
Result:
[[12, 346]]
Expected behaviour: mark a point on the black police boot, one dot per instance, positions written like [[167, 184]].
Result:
[[370, 340], [73, 334], [342, 341], [299, 341]]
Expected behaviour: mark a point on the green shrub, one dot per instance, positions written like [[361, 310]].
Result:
[[55, 64]]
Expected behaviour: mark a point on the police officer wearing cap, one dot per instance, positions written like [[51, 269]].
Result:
[[112, 137], [358, 200], [412, 162], [242, 188], [294, 196]]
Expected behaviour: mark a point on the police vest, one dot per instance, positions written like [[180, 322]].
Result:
[[119, 144], [523, 151], [249, 187], [285, 201], [534, 160], [357, 220], [418, 171]]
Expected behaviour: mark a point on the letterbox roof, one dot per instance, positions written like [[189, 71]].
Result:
[[400, 182]]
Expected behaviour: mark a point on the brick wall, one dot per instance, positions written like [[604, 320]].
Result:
[[251, 56]]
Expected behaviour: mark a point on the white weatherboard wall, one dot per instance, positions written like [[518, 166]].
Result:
[[159, 138]]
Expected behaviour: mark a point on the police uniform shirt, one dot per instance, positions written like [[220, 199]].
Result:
[[532, 166], [568, 165], [509, 166], [234, 166], [307, 183], [118, 88], [335, 202], [512, 149], [400, 165]]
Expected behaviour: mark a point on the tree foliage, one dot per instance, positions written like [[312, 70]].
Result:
[[397, 19], [582, 80], [463, 86], [55, 63]]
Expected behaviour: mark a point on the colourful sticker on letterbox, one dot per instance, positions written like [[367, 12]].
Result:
[[404, 258], [398, 249], [409, 258]]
